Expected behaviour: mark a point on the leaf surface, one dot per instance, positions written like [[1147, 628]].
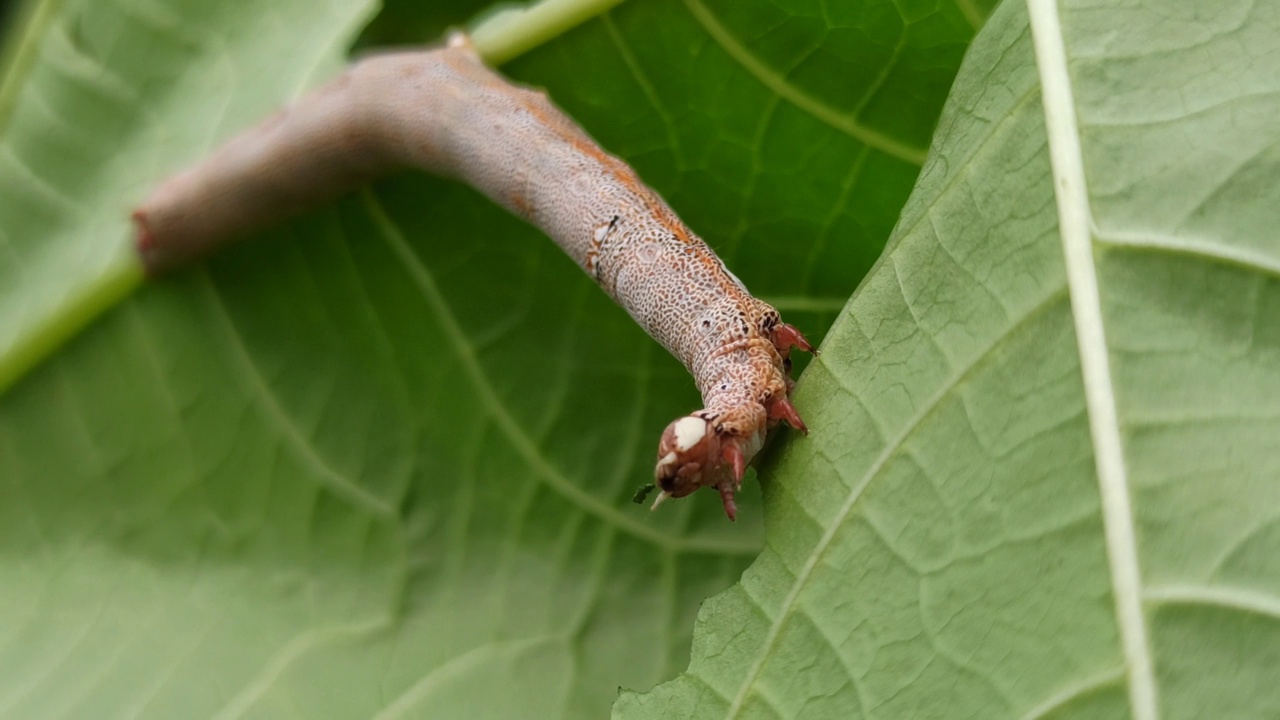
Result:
[[1039, 488], [377, 462]]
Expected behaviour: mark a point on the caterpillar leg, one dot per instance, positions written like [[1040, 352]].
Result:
[[726, 496], [787, 336], [782, 409]]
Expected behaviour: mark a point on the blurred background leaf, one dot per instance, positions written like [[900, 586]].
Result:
[[378, 461]]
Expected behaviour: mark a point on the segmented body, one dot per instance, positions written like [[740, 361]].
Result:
[[443, 111]]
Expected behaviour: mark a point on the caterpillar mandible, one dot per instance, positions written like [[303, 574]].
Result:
[[443, 111]]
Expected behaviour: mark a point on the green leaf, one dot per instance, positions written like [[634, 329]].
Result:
[[379, 460], [1033, 488]]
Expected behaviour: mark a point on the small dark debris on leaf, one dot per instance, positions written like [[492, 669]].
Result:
[[642, 493]]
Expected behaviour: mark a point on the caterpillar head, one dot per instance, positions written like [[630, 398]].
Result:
[[693, 455]]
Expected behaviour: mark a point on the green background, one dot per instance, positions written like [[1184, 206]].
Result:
[[377, 461]]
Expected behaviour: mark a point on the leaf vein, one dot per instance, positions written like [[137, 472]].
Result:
[[855, 492], [1258, 262], [1080, 689], [1230, 598], [340, 484], [1075, 223], [777, 83]]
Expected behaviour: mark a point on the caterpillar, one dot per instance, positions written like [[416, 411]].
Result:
[[442, 110]]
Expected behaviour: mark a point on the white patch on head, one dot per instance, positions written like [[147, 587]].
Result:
[[690, 431], [667, 459]]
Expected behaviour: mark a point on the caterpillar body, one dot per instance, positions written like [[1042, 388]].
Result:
[[442, 110]]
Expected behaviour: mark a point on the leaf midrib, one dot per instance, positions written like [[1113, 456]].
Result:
[[946, 387], [1076, 229]]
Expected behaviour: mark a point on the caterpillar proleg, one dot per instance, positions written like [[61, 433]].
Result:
[[443, 111]]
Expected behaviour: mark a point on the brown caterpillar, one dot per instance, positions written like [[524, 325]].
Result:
[[443, 111]]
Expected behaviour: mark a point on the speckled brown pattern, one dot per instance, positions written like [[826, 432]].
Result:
[[443, 111]]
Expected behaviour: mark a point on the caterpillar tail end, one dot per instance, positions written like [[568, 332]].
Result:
[[144, 242]]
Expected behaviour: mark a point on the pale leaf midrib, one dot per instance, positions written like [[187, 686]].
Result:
[[1076, 228]]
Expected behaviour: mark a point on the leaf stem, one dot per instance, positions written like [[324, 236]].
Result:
[[510, 32], [69, 318]]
